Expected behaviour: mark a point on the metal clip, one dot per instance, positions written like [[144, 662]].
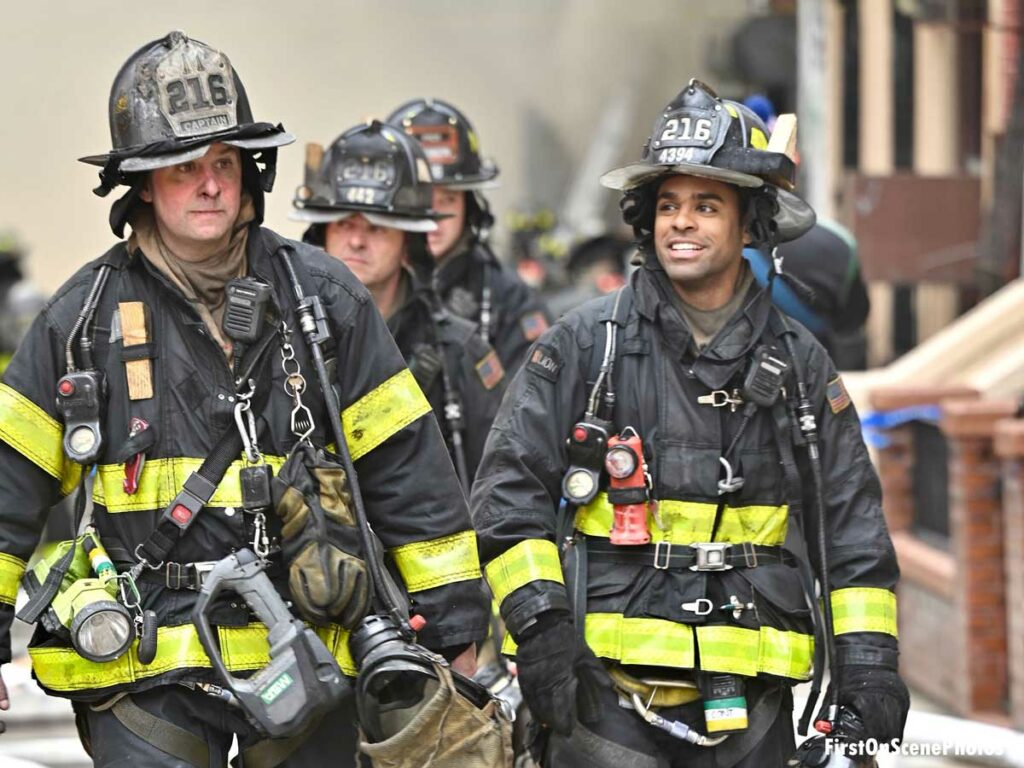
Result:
[[730, 484], [260, 542], [736, 607], [719, 398], [710, 556], [247, 431], [661, 561], [701, 606]]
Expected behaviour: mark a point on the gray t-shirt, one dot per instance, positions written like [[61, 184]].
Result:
[[705, 324]]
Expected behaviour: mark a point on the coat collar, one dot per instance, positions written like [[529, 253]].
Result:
[[727, 353]]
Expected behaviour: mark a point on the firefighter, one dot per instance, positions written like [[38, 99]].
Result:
[[369, 204], [151, 382], [681, 421], [470, 279]]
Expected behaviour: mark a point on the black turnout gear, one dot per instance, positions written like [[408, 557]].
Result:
[[424, 526], [649, 607], [435, 346], [516, 316], [470, 279]]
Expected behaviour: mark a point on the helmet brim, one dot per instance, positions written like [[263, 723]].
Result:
[[470, 185], [141, 163], [795, 216], [330, 215], [633, 175]]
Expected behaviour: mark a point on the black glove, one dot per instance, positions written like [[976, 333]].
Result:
[[555, 668], [878, 697]]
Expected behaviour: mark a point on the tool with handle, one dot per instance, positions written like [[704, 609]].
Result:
[[301, 681]]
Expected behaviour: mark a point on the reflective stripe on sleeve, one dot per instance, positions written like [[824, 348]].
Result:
[[529, 560], [684, 522], [36, 435], [434, 563], [11, 569], [379, 414], [243, 648], [864, 609]]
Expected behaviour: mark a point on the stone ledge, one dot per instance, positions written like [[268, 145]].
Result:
[[975, 418], [895, 397]]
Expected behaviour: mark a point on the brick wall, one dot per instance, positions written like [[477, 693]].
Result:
[[976, 537], [925, 593], [1009, 444]]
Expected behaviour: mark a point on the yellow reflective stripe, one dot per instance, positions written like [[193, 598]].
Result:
[[433, 563], [729, 649], [5, 359], [378, 415], [36, 435], [335, 637], [684, 522], [864, 609], [243, 648], [640, 641], [742, 651], [11, 569], [722, 649], [765, 525], [785, 653], [529, 560], [162, 480]]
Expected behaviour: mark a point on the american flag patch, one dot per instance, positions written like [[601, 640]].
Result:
[[838, 397], [490, 371], [533, 325]]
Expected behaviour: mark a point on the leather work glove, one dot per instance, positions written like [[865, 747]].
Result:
[[319, 539], [879, 697], [555, 669]]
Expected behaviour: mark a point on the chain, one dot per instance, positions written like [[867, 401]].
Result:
[[294, 385]]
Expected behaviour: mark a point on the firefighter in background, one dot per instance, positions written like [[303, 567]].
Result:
[[20, 301], [661, 610], [470, 279], [131, 372], [369, 204]]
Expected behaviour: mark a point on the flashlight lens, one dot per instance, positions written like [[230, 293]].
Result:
[[620, 462], [104, 634], [579, 484]]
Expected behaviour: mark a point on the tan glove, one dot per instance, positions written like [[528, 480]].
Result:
[[319, 539]]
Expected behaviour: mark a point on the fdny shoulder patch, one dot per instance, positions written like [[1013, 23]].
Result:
[[533, 325], [545, 362], [838, 397], [489, 370]]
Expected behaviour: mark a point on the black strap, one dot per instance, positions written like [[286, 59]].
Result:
[[200, 486], [162, 734], [681, 556], [40, 601]]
